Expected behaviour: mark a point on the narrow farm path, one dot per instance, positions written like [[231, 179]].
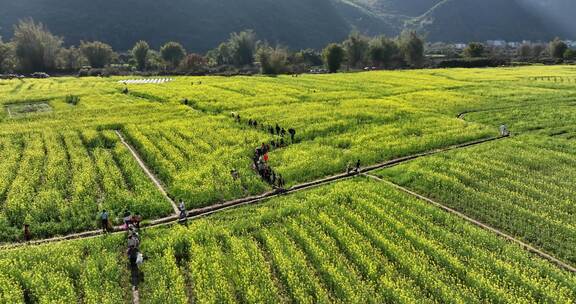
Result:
[[135, 296], [149, 173], [504, 235], [219, 207]]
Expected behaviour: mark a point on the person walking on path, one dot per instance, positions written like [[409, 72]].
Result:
[[182, 209], [504, 131], [27, 233], [136, 219], [133, 253], [235, 174], [127, 219], [281, 183], [292, 134], [104, 219], [357, 169], [133, 240]]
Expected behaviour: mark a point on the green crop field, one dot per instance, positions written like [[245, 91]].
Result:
[[523, 186], [353, 241]]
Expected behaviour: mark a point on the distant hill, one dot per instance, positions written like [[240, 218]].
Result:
[[560, 14], [198, 24], [202, 24], [465, 20]]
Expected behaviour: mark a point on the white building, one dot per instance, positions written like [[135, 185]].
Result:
[[496, 43]]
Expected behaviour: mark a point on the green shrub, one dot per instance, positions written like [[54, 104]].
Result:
[[72, 99]]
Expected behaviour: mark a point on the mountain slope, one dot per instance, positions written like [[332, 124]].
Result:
[[558, 13], [473, 20], [202, 24], [412, 8], [198, 24]]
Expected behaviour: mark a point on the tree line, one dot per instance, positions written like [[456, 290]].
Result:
[[34, 48], [556, 49]]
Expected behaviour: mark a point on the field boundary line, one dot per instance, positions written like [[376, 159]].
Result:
[[223, 206], [500, 233], [147, 171], [462, 114]]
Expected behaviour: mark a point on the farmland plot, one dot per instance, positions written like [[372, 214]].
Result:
[[80, 272], [58, 181], [523, 186], [357, 241], [194, 158], [339, 119]]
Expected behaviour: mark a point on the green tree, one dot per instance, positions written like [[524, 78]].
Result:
[[474, 50], [173, 53], [194, 63], [356, 47], [382, 51], [70, 59], [412, 48], [243, 47], [308, 57], [334, 55], [140, 54], [35, 47], [6, 52], [273, 60], [98, 54], [570, 54], [557, 48], [222, 55], [538, 49], [524, 51], [154, 61]]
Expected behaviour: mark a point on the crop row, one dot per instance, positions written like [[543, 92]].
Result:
[[523, 186], [92, 271], [544, 119], [355, 242], [57, 182], [195, 158]]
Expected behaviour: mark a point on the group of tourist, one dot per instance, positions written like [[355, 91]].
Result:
[[135, 257], [274, 130], [261, 164], [132, 226], [129, 219]]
